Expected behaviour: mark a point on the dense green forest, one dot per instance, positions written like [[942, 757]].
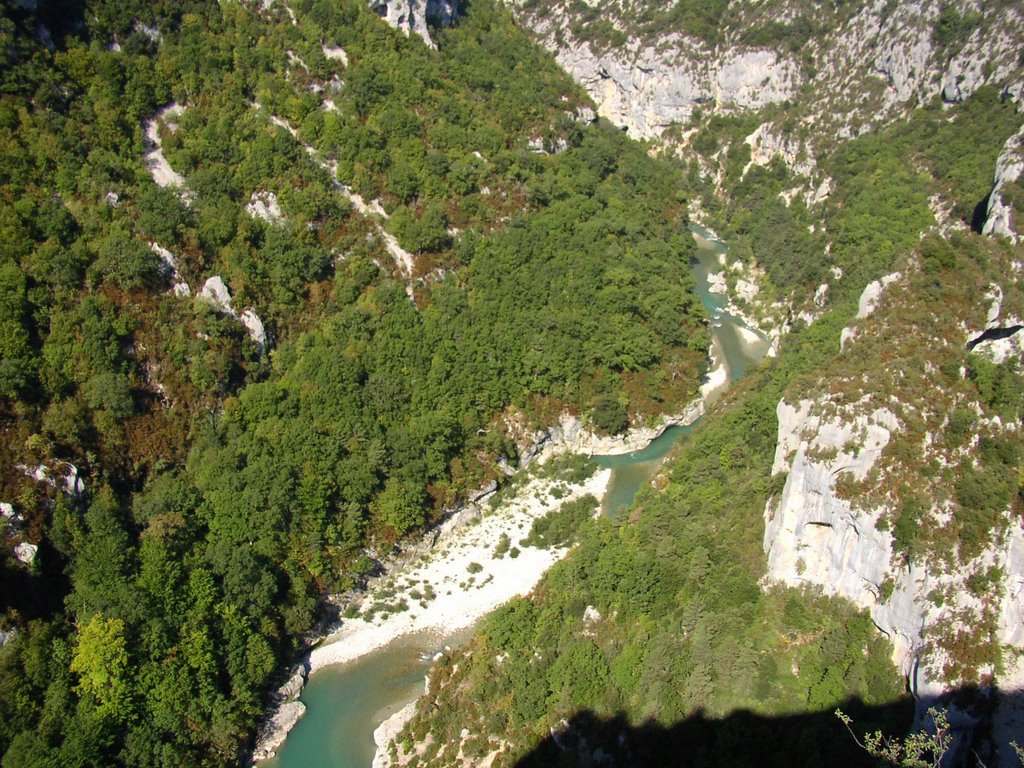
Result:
[[222, 484]]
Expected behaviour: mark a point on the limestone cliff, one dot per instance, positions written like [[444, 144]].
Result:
[[862, 68], [644, 90], [1009, 169], [815, 536], [875, 504], [411, 16]]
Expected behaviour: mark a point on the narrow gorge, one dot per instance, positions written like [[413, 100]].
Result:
[[351, 342]]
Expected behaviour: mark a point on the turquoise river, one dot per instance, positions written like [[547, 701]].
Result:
[[345, 703]]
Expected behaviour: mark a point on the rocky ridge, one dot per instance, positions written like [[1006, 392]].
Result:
[[863, 69], [641, 90], [831, 527], [881, 59], [1009, 168]]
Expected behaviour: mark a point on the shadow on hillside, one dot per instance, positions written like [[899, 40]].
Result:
[[743, 739], [37, 592]]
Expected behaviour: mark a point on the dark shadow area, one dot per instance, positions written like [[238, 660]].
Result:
[[994, 334], [35, 592], [747, 740], [980, 214]]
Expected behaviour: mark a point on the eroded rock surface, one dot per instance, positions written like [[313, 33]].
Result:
[[411, 16]]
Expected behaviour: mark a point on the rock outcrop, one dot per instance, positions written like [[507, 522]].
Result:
[[815, 536], [571, 435], [1009, 168], [216, 293], [765, 145], [866, 305], [263, 205], [412, 16], [865, 70], [25, 553], [1001, 339], [161, 171], [170, 267], [388, 731], [286, 711], [63, 477]]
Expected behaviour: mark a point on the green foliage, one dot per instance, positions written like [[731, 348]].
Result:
[[124, 261], [559, 528], [428, 232], [101, 663], [229, 491], [779, 35], [952, 28], [923, 749], [908, 522], [400, 505], [983, 495], [1000, 387], [17, 358], [609, 416], [504, 542]]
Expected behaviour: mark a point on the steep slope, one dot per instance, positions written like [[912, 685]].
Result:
[[841, 69], [901, 491]]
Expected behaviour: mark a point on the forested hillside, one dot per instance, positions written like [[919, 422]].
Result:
[[271, 277]]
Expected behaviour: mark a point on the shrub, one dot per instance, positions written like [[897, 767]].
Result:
[[609, 416]]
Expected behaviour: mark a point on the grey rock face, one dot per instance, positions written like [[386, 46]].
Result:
[[1009, 167], [813, 536], [411, 15], [649, 86], [276, 730], [286, 712], [644, 92], [216, 293]]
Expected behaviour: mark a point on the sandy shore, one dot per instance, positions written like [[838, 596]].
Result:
[[717, 377], [457, 582], [463, 592], [750, 337]]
